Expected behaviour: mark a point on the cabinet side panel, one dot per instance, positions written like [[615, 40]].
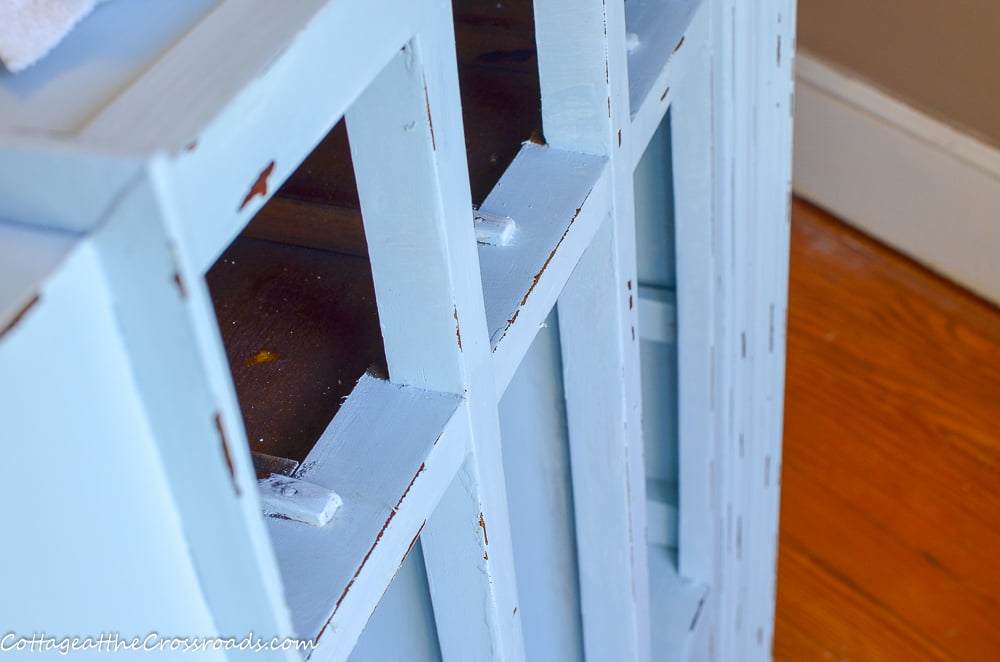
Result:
[[91, 530]]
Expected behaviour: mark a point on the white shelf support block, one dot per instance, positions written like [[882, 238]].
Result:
[[298, 500], [585, 108], [391, 452], [408, 149], [493, 229]]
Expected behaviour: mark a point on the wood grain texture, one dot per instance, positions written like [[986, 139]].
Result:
[[891, 468], [300, 326], [318, 205]]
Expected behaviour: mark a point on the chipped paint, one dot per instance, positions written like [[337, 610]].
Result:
[[408, 488], [430, 120], [413, 542], [665, 93], [260, 186], [19, 316], [458, 331], [538, 276], [482, 524], [226, 453], [739, 537], [179, 282], [679, 44], [178, 278], [770, 335], [697, 614], [545, 265], [371, 550]]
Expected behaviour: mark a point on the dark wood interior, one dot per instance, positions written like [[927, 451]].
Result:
[[293, 293]]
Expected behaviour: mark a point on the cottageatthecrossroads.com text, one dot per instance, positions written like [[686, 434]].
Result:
[[113, 642]]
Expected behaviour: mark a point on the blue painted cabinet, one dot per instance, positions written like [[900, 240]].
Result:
[[570, 444]]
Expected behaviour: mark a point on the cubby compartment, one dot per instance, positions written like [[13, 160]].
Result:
[[498, 77], [295, 302], [676, 601], [300, 327], [293, 294], [656, 268], [296, 306]]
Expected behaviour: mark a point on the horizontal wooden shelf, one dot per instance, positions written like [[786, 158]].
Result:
[[558, 199], [657, 314], [661, 513], [296, 343], [671, 36], [390, 453]]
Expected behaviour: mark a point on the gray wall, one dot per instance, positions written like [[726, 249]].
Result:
[[939, 56]]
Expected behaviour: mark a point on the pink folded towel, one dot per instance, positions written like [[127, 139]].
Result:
[[31, 28]]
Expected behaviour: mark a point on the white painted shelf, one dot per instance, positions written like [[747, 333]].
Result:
[[389, 453], [676, 609], [671, 37], [557, 199]]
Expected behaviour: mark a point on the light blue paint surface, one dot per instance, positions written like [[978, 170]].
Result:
[[654, 211], [656, 266], [536, 464], [91, 538], [402, 627]]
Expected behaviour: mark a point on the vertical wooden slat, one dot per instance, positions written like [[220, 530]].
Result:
[[584, 83], [691, 132], [156, 292], [408, 149], [751, 150], [774, 58]]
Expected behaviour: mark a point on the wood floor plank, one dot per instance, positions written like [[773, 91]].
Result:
[[891, 472]]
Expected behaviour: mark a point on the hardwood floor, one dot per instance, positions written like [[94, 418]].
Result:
[[890, 519]]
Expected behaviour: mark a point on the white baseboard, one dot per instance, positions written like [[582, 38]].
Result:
[[912, 181]]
